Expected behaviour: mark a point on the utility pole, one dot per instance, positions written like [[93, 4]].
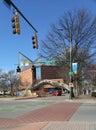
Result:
[[71, 84], [70, 65]]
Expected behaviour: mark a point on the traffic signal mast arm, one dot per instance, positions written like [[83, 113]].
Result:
[[9, 3], [17, 26]]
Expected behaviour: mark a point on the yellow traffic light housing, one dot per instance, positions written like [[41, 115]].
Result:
[[16, 24], [35, 41]]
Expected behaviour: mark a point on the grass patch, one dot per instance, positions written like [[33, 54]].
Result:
[[20, 106], [7, 110]]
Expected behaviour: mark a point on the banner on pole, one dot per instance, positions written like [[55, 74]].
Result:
[[75, 67]]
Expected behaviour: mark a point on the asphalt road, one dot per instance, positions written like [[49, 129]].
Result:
[[54, 112], [10, 108]]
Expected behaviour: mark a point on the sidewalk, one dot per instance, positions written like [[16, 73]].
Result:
[[76, 114], [57, 126]]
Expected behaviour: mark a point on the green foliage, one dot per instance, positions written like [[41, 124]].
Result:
[[93, 94]]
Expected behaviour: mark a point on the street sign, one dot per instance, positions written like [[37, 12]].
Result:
[[71, 73], [50, 62], [71, 84]]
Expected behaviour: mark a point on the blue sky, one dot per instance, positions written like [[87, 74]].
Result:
[[41, 14]]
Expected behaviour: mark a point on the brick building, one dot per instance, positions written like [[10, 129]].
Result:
[[56, 73]]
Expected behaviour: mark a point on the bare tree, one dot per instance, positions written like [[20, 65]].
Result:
[[9, 79], [2, 81], [79, 28], [13, 80]]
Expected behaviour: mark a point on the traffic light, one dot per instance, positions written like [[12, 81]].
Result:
[[33, 69], [16, 24], [35, 41], [18, 69]]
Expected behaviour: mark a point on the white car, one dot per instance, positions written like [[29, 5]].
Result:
[[1, 92]]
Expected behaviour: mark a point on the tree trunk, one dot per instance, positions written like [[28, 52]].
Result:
[[12, 91]]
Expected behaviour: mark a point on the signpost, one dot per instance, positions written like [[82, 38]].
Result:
[[71, 85], [71, 90], [71, 73]]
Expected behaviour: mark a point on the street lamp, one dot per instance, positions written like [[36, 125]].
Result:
[[71, 84], [70, 55], [70, 60]]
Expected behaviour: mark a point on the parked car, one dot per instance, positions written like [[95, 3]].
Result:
[[1, 92], [57, 93], [93, 92]]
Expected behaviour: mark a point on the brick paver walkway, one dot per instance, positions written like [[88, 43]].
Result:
[[57, 125], [56, 112]]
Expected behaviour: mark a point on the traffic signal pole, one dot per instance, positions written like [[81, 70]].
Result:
[[71, 82], [10, 3]]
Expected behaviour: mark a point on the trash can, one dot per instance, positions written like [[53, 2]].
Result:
[[17, 93]]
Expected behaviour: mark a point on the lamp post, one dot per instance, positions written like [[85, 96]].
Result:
[[70, 55], [71, 73], [70, 60]]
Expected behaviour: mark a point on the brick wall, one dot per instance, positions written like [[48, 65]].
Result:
[[54, 72], [25, 77], [47, 72]]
